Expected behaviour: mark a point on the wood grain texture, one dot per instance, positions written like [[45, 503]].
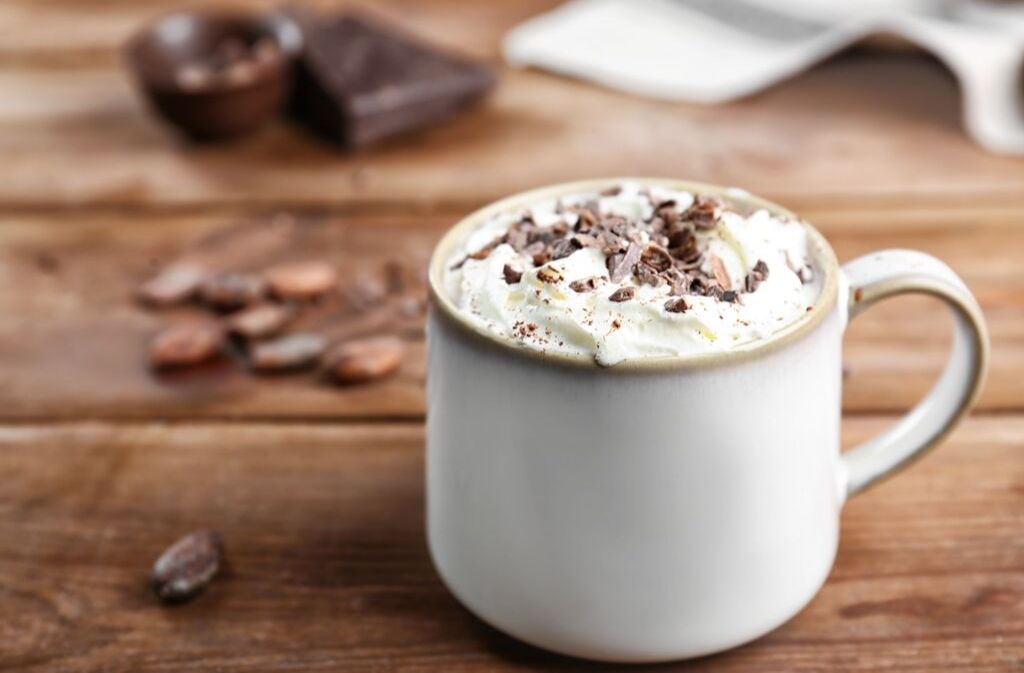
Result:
[[889, 132], [73, 340], [328, 568]]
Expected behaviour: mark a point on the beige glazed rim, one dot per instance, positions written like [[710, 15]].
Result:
[[824, 258]]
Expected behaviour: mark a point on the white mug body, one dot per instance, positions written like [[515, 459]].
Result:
[[663, 508], [633, 516]]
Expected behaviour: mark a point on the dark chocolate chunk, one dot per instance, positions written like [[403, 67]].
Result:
[[703, 213], [623, 294], [656, 257], [756, 276], [621, 265], [549, 275], [586, 284], [359, 82], [565, 247], [648, 275], [512, 276], [677, 305]]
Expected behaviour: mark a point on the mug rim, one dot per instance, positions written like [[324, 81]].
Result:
[[822, 252]]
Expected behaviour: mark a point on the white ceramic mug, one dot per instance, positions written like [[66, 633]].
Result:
[[662, 508]]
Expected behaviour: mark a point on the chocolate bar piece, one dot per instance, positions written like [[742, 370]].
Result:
[[358, 82]]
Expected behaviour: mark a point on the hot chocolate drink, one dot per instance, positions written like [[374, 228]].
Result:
[[634, 271]]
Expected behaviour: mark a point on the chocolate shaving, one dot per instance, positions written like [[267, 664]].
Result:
[[512, 276], [621, 265], [720, 273], [482, 253], [666, 249], [611, 191], [622, 294], [565, 247]]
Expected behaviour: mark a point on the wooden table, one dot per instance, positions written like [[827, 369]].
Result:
[[318, 491]]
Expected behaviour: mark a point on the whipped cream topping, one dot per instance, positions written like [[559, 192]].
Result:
[[596, 274]]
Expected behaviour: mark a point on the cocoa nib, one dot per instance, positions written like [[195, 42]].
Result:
[[756, 276], [228, 291], [173, 285], [647, 275], [365, 360], [186, 344], [187, 566], [720, 273], [586, 284], [682, 242], [667, 248], [302, 280], [512, 276], [656, 257], [677, 305], [295, 351], [703, 213], [623, 294]]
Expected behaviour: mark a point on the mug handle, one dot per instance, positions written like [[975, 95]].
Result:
[[888, 273]]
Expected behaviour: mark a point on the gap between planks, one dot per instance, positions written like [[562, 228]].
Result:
[[410, 420]]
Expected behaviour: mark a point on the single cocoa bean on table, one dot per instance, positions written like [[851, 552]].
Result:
[[187, 566]]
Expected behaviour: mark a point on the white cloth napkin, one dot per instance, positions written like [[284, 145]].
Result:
[[711, 51]]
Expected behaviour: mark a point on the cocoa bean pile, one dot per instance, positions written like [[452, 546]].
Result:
[[288, 317]]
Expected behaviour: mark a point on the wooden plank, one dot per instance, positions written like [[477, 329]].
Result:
[[72, 340], [63, 33], [890, 135], [328, 568]]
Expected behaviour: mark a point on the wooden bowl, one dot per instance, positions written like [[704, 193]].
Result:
[[215, 75]]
